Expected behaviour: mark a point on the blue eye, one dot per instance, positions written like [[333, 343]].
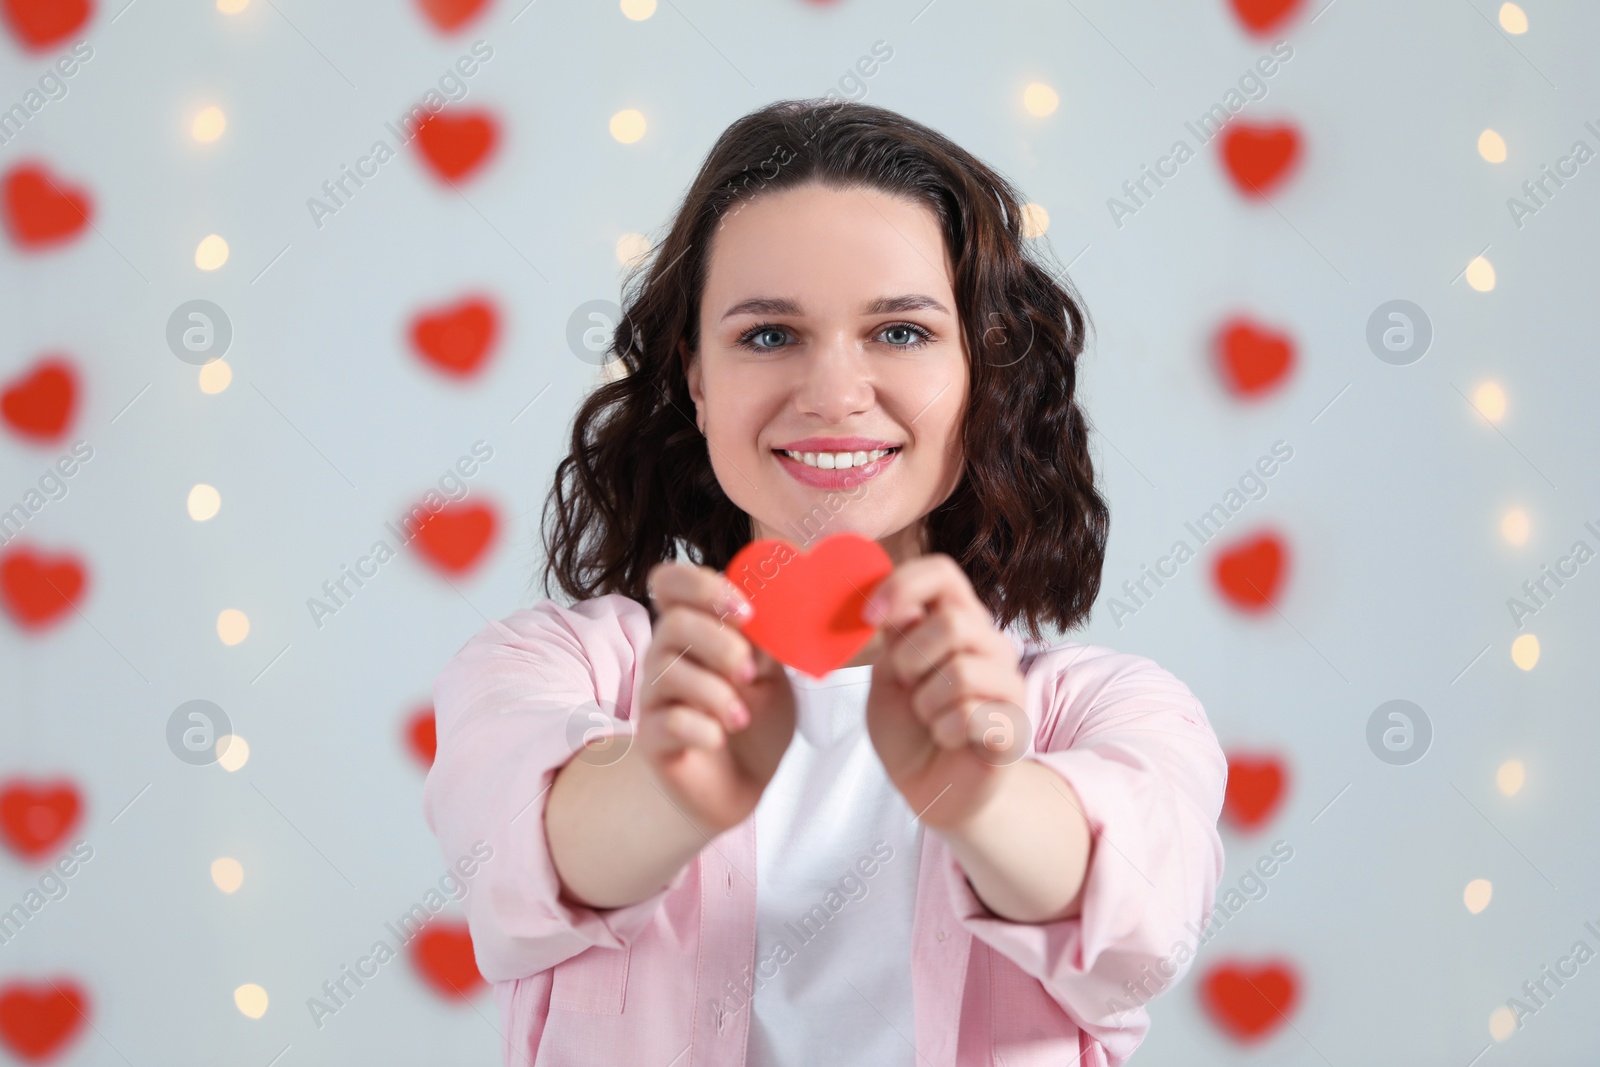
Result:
[[766, 332], [905, 335]]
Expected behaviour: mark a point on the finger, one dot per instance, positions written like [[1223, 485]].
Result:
[[687, 635], [684, 727], [998, 727], [936, 637], [714, 645], [674, 583], [919, 585], [689, 683], [964, 677]]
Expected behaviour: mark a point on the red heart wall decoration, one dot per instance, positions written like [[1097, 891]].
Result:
[[1262, 17], [455, 537], [1249, 572], [38, 590], [39, 1019], [1253, 360], [39, 404], [41, 209], [37, 817], [455, 147], [808, 605], [422, 736], [1256, 788], [1259, 158], [40, 25], [442, 954], [451, 15], [1249, 1001], [458, 338]]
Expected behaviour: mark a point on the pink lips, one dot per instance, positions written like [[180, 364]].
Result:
[[818, 478]]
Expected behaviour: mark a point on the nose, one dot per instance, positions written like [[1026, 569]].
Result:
[[836, 381]]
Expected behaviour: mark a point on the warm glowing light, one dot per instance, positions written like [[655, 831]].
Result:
[[1492, 147], [1514, 526], [232, 7], [1525, 652], [638, 10], [233, 752], [627, 126], [1035, 220], [1502, 1023], [1513, 19], [211, 253], [204, 500], [208, 125], [1480, 274], [1510, 777], [233, 626], [251, 999], [227, 874], [632, 248], [215, 376], [1039, 99], [1490, 399], [1476, 895]]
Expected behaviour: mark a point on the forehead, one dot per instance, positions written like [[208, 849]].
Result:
[[822, 242]]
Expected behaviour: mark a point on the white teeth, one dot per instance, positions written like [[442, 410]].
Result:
[[837, 460]]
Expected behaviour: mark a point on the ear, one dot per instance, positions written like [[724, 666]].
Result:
[[692, 362]]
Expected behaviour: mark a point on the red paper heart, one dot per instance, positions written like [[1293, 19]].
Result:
[[455, 147], [1249, 572], [1248, 1002], [39, 404], [455, 537], [1253, 360], [450, 15], [37, 590], [36, 817], [41, 209], [422, 736], [1259, 158], [442, 955], [40, 25], [456, 339], [1263, 16], [808, 606], [1256, 788], [38, 1019]]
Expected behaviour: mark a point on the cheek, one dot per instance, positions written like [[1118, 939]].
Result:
[[936, 402], [740, 404]]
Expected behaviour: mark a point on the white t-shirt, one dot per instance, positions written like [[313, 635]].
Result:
[[837, 850]]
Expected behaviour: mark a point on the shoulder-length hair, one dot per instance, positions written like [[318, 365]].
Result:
[[1024, 522]]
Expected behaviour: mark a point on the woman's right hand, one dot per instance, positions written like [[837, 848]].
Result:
[[716, 713]]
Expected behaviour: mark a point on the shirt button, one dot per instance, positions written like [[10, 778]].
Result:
[[942, 935]]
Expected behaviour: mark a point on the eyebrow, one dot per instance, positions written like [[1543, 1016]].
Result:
[[884, 305]]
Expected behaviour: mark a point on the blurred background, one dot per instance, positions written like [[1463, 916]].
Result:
[[254, 311]]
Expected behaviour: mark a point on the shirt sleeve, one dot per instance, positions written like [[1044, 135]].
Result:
[[1135, 746], [511, 707]]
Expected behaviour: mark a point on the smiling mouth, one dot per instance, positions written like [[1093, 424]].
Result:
[[832, 461]]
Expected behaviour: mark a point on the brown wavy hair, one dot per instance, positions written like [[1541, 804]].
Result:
[[1025, 521]]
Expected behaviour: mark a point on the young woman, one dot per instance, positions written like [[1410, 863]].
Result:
[[701, 856]]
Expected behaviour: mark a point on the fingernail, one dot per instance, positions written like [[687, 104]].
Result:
[[740, 714], [874, 611], [738, 605], [747, 673]]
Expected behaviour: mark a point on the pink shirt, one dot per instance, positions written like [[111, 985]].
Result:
[[655, 982]]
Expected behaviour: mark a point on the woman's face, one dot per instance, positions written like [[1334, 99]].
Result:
[[828, 327]]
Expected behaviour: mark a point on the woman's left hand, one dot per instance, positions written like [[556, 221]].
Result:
[[945, 710]]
